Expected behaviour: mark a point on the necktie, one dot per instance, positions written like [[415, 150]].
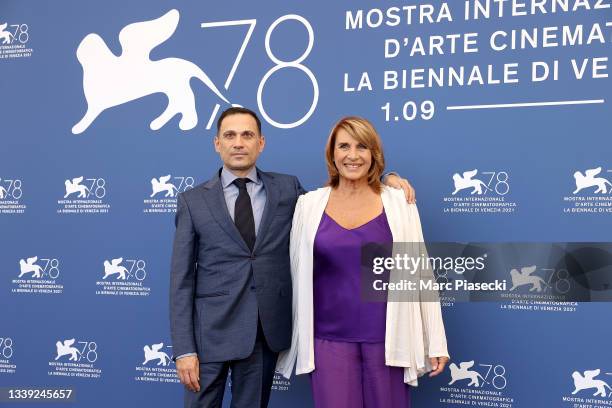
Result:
[[243, 213]]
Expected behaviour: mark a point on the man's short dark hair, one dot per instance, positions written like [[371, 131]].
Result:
[[238, 110]]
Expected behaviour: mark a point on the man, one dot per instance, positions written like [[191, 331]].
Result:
[[230, 289]]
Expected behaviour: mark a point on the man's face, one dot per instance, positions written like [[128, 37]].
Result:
[[238, 142]]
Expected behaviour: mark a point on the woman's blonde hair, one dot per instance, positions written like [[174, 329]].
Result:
[[363, 131]]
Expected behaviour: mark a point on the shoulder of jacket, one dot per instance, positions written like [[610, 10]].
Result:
[[396, 198], [394, 194], [308, 201], [279, 176], [315, 195], [193, 192]]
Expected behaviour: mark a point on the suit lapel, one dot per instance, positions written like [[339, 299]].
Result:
[[272, 197], [213, 195]]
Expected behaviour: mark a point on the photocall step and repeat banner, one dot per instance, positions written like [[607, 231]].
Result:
[[497, 111]]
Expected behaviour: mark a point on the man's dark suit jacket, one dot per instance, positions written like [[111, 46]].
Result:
[[218, 287]]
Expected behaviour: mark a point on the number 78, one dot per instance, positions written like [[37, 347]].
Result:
[[279, 65]]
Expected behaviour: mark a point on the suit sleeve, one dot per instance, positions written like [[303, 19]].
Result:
[[183, 281]]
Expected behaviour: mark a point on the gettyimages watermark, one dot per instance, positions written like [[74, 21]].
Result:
[[498, 272]]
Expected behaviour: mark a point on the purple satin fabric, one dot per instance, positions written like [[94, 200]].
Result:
[[339, 312], [354, 375], [349, 344]]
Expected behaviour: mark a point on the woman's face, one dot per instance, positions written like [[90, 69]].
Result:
[[352, 158]]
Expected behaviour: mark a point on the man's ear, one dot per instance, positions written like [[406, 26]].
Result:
[[262, 143], [216, 142]]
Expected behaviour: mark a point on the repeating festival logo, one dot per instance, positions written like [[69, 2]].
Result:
[[591, 388], [38, 276], [447, 272], [110, 80], [84, 196], [30, 266], [158, 365], [14, 40], [11, 193], [480, 192], [280, 383], [155, 353], [592, 193], [164, 190], [139, 76], [74, 358], [6, 354], [589, 179], [539, 289], [5, 36], [477, 384], [162, 185], [123, 277]]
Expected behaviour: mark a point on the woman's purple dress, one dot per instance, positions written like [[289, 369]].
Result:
[[349, 333]]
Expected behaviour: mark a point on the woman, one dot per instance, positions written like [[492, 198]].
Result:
[[359, 354]]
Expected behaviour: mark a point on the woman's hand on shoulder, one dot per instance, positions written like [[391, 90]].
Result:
[[395, 181]]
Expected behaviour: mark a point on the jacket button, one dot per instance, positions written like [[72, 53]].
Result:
[[252, 257]]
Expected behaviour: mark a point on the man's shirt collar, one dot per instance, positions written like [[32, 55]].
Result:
[[227, 177]]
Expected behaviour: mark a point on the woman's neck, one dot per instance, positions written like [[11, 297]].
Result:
[[348, 187]]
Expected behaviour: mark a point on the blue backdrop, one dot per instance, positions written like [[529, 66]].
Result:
[[86, 234]]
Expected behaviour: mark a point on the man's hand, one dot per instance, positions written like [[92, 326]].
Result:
[[396, 181], [188, 370], [437, 363]]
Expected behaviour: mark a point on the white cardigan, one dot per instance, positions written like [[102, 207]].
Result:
[[414, 330]]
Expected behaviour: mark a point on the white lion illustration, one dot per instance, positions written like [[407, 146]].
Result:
[[588, 179], [110, 80], [5, 36], [65, 348], [30, 266], [525, 277], [162, 185], [115, 267], [463, 373], [154, 353], [588, 381], [75, 186], [466, 181]]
